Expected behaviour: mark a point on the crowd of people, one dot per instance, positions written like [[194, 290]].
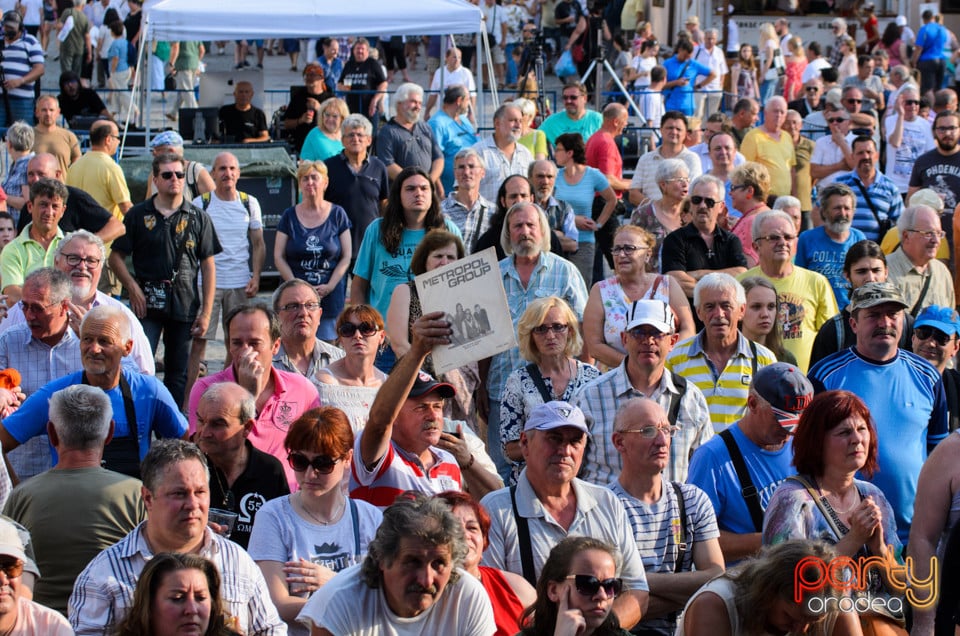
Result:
[[730, 366]]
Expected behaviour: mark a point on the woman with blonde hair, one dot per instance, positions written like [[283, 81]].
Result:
[[313, 244], [535, 140], [324, 141], [757, 597], [770, 66], [848, 61], [793, 85], [749, 185], [605, 316], [550, 343]]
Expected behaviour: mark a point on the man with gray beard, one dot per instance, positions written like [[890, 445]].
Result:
[[530, 271], [502, 155], [406, 140], [823, 249]]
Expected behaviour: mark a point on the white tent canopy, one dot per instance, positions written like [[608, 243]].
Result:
[[249, 19]]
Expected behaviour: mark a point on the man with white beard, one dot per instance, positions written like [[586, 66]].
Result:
[[406, 140], [81, 255], [823, 249], [502, 155]]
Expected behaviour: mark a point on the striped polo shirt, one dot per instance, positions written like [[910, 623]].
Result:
[[727, 390], [399, 471]]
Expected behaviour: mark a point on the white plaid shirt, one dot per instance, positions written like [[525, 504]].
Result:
[[600, 400], [103, 593]]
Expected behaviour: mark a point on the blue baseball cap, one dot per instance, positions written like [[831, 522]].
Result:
[[167, 138], [943, 318], [556, 414]]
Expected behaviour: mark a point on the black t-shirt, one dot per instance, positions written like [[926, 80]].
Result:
[[565, 10], [242, 124], [153, 242], [86, 104], [362, 76], [262, 480], [297, 107], [684, 250], [358, 194], [82, 213]]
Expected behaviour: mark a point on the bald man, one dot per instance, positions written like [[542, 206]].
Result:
[[242, 121]]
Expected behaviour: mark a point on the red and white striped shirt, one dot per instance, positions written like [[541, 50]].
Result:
[[399, 471]]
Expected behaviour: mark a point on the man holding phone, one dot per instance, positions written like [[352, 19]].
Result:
[[406, 444]]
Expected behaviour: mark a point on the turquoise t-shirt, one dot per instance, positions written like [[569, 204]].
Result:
[[383, 270], [580, 196], [318, 147], [560, 123]]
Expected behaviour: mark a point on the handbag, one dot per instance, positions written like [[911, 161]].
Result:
[[578, 53], [778, 63]]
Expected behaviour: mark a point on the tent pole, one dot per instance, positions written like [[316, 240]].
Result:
[[137, 76], [488, 56]]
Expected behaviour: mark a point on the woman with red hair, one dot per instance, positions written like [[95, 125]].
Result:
[[834, 440], [509, 593], [302, 540]]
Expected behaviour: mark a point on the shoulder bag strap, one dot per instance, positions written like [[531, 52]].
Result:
[[355, 517], [753, 361], [656, 286], [825, 508], [182, 248], [923, 294], [681, 534], [866, 196], [749, 492], [538, 382], [523, 538]]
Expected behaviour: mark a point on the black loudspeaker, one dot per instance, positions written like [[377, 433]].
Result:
[[275, 194]]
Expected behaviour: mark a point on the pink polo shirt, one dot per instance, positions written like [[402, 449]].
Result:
[[292, 395]]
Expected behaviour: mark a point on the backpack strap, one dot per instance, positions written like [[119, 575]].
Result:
[[244, 199], [523, 538], [753, 361], [680, 534], [749, 492]]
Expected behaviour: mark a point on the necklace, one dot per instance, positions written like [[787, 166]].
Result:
[[323, 522]]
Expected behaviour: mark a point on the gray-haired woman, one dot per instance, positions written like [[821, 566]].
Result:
[[663, 216]]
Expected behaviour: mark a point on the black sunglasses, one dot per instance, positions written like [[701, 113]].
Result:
[[911, 102], [169, 174], [348, 329], [812, 89], [697, 200], [12, 567], [925, 333], [323, 464], [589, 585]]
